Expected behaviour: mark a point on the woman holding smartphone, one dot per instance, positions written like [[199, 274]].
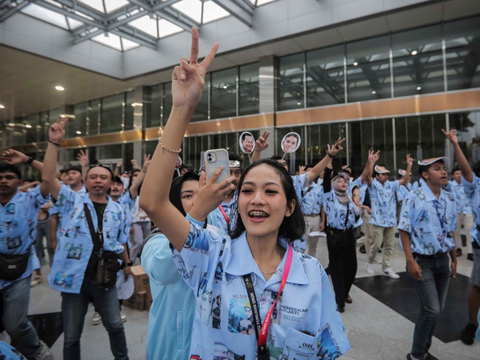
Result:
[[237, 280]]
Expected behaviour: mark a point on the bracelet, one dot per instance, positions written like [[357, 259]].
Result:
[[54, 143], [331, 156], [169, 150]]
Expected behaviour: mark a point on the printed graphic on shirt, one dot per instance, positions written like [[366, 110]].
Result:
[[74, 252], [240, 316], [327, 346], [195, 241], [219, 270], [216, 312], [10, 209], [72, 232], [63, 280], [221, 352], [13, 243]]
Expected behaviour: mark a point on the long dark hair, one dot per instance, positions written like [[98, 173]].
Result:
[[292, 227]]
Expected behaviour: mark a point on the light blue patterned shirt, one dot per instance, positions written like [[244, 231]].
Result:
[[311, 199], [384, 204], [337, 212], [403, 191], [429, 220], [213, 266], [464, 204], [472, 191]]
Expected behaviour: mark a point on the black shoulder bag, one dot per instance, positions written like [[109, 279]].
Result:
[[107, 263], [13, 266], [338, 239]]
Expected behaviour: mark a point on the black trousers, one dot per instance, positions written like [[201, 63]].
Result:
[[343, 266]]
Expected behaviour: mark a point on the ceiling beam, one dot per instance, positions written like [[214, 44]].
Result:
[[68, 13], [178, 18], [84, 9], [116, 24], [240, 12], [81, 39], [134, 39], [13, 11]]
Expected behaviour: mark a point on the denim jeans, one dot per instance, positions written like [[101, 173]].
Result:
[[74, 308], [14, 301], [432, 292]]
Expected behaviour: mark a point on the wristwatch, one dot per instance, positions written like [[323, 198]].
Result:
[[124, 265], [30, 160]]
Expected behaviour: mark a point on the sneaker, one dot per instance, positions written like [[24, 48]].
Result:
[[36, 280], [470, 257], [96, 319], [390, 273], [45, 353], [468, 334], [362, 249], [371, 269], [124, 317], [430, 357], [459, 252]]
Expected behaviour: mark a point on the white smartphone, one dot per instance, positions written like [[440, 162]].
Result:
[[213, 160]]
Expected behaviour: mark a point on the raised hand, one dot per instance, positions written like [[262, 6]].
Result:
[[373, 156], [301, 170], [14, 157], [146, 162], [409, 160], [188, 79], [119, 164], [57, 130], [262, 143], [135, 164], [82, 157], [335, 148], [451, 135]]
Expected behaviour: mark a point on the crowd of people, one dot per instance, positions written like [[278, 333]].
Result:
[[232, 263]]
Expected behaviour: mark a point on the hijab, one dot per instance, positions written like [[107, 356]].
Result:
[[342, 196], [176, 188]]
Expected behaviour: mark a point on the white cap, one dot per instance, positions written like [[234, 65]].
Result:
[[381, 170], [426, 162]]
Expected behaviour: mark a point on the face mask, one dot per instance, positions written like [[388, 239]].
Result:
[[125, 181]]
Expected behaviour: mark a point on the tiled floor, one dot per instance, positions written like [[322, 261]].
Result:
[[379, 323]]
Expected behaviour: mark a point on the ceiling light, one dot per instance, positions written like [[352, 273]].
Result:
[[299, 103], [225, 86], [79, 132], [374, 92], [2, 106], [28, 126], [137, 104], [419, 88], [59, 88], [414, 52], [355, 63], [11, 124]]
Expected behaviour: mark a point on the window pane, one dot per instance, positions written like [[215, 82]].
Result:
[[79, 127], [112, 114], [43, 127], [418, 61], [31, 129], [468, 130], [462, 39], [290, 82], [93, 117], [224, 94], [297, 158], [112, 153], [249, 90], [167, 102], [201, 111], [129, 109], [368, 69], [325, 76], [153, 99]]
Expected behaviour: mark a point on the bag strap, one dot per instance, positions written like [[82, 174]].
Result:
[[93, 233], [346, 218]]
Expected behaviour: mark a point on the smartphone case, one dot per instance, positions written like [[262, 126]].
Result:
[[221, 159]]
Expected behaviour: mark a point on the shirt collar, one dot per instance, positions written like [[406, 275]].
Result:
[[243, 262], [428, 192]]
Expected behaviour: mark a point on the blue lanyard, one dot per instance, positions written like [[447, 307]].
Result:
[[441, 219]]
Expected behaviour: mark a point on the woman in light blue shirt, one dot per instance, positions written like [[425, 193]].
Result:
[[237, 280]]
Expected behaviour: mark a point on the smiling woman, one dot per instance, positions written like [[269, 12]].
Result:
[[227, 273]]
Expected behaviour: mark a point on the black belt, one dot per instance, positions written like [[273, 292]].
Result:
[[437, 255]]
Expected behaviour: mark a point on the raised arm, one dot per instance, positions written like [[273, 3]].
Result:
[[322, 164], [25, 188], [14, 157], [187, 88], [406, 179], [372, 159], [260, 145], [50, 184], [459, 155], [84, 160], [117, 169], [140, 177]]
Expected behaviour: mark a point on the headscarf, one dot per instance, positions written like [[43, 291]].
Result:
[[176, 188], [342, 196]]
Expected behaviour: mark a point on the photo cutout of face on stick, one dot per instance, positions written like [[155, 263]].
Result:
[[178, 163], [291, 142], [247, 142]]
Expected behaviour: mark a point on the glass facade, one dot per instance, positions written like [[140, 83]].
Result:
[[112, 114], [290, 82], [468, 131], [224, 94]]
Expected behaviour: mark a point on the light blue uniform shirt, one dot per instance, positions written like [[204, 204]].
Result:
[[464, 204], [213, 266], [18, 228], [337, 212], [403, 191], [55, 210], [472, 191], [429, 220], [384, 204], [8, 352], [311, 199], [127, 204], [75, 246], [300, 182], [230, 211]]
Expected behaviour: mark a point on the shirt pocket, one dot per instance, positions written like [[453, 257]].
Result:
[[299, 346]]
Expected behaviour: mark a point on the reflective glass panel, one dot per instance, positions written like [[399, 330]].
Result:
[[224, 94], [418, 61], [290, 82], [249, 98], [129, 110], [79, 127], [201, 111], [94, 117], [368, 69], [31, 130], [167, 102], [317, 138], [462, 40], [112, 114], [153, 101], [468, 132], [325, 76]]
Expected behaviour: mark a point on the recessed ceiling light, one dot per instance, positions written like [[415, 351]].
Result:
[[225, 86], [414, 52], [419, 88], [11, 124], [299, 103], [2, 106], [28, 126], [137, 104], [59, 88], [374, 92], [79, 132], [355, 63]]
